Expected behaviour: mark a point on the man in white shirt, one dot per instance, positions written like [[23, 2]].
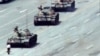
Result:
[[8, 48]]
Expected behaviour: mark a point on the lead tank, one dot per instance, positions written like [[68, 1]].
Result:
[[23, 40]]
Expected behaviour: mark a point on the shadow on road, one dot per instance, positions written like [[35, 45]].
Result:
[[7, 2]]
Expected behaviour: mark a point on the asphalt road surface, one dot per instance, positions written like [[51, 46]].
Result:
[[78, 34]]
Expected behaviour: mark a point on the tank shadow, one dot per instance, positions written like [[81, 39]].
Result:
[[7, 2]]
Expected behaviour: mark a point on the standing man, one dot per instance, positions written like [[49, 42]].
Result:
[[8, 48], [16, 29], [40, 8]]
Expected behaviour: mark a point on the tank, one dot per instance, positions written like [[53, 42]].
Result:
[[63, 5], [47, 16], [23, 40]]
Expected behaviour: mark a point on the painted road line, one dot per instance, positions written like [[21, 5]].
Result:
[[89, 47], [75, 40], [98, 54], [77, 54], [73, 28], [98, 14], [3, 10], [23, 11], [87, 20], [89, 32]]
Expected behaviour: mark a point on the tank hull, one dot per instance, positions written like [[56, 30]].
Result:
[[64, 6], [28, 41], [46, 20]]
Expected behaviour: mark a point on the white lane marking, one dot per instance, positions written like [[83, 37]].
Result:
[[3, 10], [22, 11], [89, 32], [98, 54], [87, 20], [90, 46], [17, 23], [61, 48], [73, 28], [75, 40], [77, 54], [98, 14]]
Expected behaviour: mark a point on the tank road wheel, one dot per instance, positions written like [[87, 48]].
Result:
[[73, 5]]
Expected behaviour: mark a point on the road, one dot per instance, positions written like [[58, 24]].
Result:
[[76, 35]]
